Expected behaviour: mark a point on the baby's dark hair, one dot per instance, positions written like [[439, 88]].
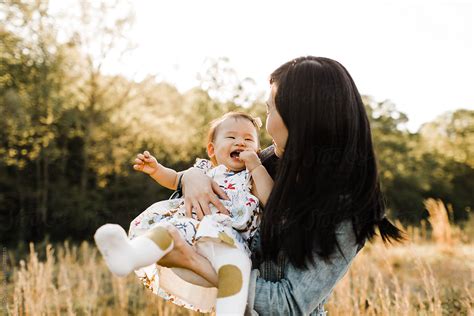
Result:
[[214, 125]]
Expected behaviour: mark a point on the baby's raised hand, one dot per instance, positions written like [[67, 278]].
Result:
[[146, 163], [250, 158]]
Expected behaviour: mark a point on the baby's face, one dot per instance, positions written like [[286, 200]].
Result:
[[233, 136]]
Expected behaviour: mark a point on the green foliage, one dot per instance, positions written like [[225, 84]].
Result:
[[432, 163]]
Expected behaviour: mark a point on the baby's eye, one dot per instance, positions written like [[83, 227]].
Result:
[[230, 137], [249, 139]]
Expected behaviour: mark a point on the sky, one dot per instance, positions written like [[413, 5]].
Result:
[[418, 54]]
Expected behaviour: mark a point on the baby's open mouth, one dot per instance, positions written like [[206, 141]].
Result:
[[235, 153]]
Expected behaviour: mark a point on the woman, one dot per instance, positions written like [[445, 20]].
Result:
[[326, 201]]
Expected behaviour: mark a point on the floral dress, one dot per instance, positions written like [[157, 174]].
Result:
[[235, 229]]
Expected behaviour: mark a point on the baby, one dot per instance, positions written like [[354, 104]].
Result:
[[222, 239]]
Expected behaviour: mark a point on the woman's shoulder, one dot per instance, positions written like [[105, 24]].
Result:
[[345, 230], [346, 248], [346, 236], [267, 153], [269, 160]]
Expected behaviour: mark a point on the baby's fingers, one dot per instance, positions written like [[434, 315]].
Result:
[[138, 167], [143, 158]]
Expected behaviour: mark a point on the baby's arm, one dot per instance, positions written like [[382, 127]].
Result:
[[165, 176], [262, 183]]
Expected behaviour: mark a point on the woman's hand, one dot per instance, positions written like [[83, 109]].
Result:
[[184, 256], [199, 190], [146, 163]]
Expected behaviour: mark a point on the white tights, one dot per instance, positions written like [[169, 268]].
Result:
[[233, 269]]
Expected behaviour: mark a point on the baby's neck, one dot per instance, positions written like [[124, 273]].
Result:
[[231, 170]]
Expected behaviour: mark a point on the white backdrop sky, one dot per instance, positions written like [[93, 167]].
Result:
[[419, 54]]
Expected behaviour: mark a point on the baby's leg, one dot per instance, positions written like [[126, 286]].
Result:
[[233, 269], [123, 255]]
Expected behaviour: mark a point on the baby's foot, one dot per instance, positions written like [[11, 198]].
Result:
[[113, 244], [123, 255]]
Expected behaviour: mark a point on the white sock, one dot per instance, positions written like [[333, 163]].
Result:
[[122, 255]]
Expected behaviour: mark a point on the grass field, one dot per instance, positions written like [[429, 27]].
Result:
[[431, 274]]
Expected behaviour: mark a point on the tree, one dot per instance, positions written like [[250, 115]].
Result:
[[220, 80], [451, 135], [30, 99], [100, 38]]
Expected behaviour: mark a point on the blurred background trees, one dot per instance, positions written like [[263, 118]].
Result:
[[69, 132]]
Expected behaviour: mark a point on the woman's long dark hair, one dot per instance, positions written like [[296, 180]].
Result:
[[328, 171]]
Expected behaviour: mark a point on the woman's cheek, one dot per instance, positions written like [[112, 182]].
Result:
[[274, 136], [268, 125]]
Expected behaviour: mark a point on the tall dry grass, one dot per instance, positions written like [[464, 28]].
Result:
[[431, 274], [415, 279], [75, 281], [439, 220]]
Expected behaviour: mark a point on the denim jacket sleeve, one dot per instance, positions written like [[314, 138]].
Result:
[[301, 292]]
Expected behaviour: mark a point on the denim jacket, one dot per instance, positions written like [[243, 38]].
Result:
[[282, 289]]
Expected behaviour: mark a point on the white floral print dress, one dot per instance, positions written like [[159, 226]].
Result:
[[235, 229]]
